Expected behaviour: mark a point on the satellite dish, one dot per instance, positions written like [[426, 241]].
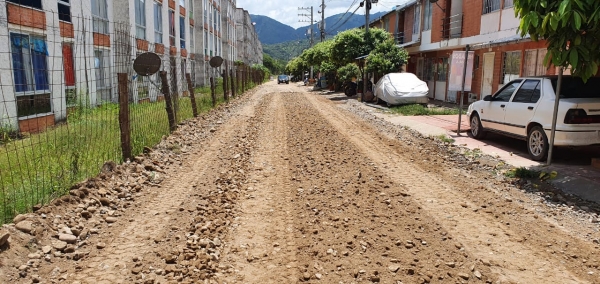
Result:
[[147, 64], [216, 61]]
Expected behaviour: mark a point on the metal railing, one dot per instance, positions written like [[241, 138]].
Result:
[[399, 37], [452, 26]]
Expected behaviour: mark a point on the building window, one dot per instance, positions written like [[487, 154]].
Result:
[[171, 28], [512, 66], [158, 31], [442, 69], [417, 20], [69, 69], [64, 10], [508, 4], [427, 17], [490, 6], [182, 32], [182, 3], [534, 62], [100, 16], [29, 3], [205, 43], [102, 70], [140, 19], [215, 19], [30, 72], [206, 12]]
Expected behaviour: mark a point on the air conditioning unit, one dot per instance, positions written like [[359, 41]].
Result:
[[472, 97]]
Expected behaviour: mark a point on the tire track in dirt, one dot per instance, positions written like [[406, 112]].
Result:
[[521, 250], [261, 240], [354, 224], [147, 241]]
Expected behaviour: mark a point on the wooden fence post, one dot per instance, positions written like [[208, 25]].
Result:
[[124, 122], [225, 84], [232, 83], [192, 95], [212, 92], [169, 104]]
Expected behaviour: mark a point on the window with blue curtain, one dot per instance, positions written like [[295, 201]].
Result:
[[30, 67], [182, 32]]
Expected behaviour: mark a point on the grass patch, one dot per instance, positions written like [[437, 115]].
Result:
[[522, 172], [445, 139], [42, 166], [417, 109]]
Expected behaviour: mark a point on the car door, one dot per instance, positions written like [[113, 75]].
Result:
[[521, 108], [492, 112]]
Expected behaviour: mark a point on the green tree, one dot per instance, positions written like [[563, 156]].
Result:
[[571, 29], [348, 71], [351, 44], [274, 66], [386, 58]]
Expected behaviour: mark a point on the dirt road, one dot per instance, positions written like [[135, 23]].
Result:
[[286, 186]]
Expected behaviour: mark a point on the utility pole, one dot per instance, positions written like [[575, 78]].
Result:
[[311, 30], [322, 20], [367, 22]]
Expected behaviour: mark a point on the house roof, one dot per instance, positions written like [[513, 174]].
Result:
[[405, 5]]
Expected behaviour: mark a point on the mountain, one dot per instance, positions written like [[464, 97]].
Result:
[[271, 31]]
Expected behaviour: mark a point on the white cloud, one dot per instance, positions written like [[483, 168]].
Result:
[[287, 13]]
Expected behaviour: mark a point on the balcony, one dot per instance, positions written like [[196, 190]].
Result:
[[398, 37], [452, 26]]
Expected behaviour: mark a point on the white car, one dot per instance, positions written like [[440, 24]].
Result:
[[523, 109], [401, 88]]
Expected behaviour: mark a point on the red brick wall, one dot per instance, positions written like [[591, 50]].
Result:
[[471, 17], [101, 39], [172, 4], [409, 18], [159, 48], [66, 29], [141, 44], [26, 16], [437, 20], [35, 125]]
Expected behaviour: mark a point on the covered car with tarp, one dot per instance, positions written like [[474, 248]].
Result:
[[401, 88]]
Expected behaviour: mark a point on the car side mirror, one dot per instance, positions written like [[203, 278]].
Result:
[[488, 98]]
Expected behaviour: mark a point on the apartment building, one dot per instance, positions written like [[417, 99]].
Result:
[[249, 47], [60, 53], [430, 32]]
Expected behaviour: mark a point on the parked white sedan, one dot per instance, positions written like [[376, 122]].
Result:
[[523, 109]]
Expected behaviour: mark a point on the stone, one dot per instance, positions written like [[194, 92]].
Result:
[[451, 264], [46, 249], [59, 245], [70, 239], [111, 220], [319, 276], [306, 276], [4, 238], [19, 218], [477, 274], [394, 268], [24, 226], [100, 245], [104, 201], [86, 214], [464, 276], [34, 256], [69, 249]]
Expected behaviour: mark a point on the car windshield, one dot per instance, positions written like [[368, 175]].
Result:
[[282, 77], [574, 87]]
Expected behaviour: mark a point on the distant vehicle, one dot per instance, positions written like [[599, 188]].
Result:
[[524, 107], [401, 88], [283, 79]]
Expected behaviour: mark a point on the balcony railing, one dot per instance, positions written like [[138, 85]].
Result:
[[452, 26], [399, 37]]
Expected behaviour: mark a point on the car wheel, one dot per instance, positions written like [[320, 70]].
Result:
[[537, 143], [477, 130]]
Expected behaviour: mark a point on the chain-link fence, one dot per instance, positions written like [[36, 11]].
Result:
[[70, 101]]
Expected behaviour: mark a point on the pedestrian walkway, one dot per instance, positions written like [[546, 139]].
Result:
[[573, 165]]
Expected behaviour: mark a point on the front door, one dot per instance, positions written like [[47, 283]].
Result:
[[522, 107], [488, 74], [493, 112]]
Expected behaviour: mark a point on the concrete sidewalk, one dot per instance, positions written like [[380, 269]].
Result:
[[575, 173]]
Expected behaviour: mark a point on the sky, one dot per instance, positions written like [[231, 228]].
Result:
[[287, 13]]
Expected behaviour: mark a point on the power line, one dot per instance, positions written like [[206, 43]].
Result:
[[347, 19], [342, 16]]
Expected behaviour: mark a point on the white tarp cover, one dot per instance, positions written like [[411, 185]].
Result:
[[401, 88]]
